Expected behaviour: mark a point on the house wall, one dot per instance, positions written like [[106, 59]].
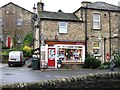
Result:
[[50, 29], [10, 13], [0, 32], [104, 32]]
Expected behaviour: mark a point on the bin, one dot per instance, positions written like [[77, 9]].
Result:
[[35, 64]]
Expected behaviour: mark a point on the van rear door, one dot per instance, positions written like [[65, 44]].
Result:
[[15, 57]]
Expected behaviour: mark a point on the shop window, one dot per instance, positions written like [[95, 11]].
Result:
[[68, 54], [96, 48], [96, 21], [63, 27]]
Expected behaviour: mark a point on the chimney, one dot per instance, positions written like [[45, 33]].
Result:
[[85, 3], [119, 3], [34, 9], [40, 6]]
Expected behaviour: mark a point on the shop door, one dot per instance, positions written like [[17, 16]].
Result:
[[51, 57]]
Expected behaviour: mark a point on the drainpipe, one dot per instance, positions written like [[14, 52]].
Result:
[[118, 27], [39, 23], [86, 38], [85, 6], [33, 29], [104, 49], [40, 9], [110, 33]]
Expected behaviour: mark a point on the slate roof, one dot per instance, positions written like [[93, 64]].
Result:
[[58, 16], [103, 6]]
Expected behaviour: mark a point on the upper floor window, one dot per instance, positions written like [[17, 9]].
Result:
[[1, 22], [96, 21], [19, 22], [1, 38], [96, 48], [63, 27]]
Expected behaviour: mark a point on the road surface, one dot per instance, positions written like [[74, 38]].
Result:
[[25, 74]]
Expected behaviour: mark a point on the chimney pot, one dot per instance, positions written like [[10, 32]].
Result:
[[85, 3], [40, 6], [119, 3], [34, 9]]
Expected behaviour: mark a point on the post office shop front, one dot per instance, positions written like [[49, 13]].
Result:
[[67, 52]]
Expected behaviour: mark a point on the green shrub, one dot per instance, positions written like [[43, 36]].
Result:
[[4, 47], [117, 58], [105, 65], [91, 62], [27, 51], [5, 52]]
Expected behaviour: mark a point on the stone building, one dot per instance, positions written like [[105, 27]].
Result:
[[93, 29], [101, 28], [14, 24], [62, 37]]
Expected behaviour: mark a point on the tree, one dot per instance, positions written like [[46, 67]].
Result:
[[28, 40]]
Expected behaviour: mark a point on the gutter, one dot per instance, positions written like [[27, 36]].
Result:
[[100, 9], [109, 33], [86, 38]]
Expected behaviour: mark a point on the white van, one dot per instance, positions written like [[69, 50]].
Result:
[[16, 58]]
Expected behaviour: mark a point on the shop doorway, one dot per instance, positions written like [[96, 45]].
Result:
[[51, 57]]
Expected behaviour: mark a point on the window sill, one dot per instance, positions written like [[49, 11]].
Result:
[[98, 55], [72, 62], [97, 29], [63, 33]]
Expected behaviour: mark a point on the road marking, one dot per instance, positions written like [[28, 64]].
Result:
[[57, 76], [48, 76]]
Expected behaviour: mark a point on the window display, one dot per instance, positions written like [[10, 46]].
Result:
[[70, 54], [96, 48]]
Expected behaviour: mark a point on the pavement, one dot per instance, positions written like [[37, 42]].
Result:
[[27, 63], [2, 65], [5, 66]]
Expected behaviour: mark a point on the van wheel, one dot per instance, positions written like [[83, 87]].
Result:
[[10, 65], [21, 64]]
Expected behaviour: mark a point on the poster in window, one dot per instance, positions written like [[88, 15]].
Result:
[[96, 44], [96, 51]]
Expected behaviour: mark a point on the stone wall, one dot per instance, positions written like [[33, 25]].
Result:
[[50, 29], [99, 81], [4, 58]]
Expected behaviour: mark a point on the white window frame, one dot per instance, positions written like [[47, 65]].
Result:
[[1, 37], [1, 22], [19, 22], [96, 21], [63, 27], [96, 48]]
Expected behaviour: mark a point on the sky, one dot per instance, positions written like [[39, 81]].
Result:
[[67, 6]]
